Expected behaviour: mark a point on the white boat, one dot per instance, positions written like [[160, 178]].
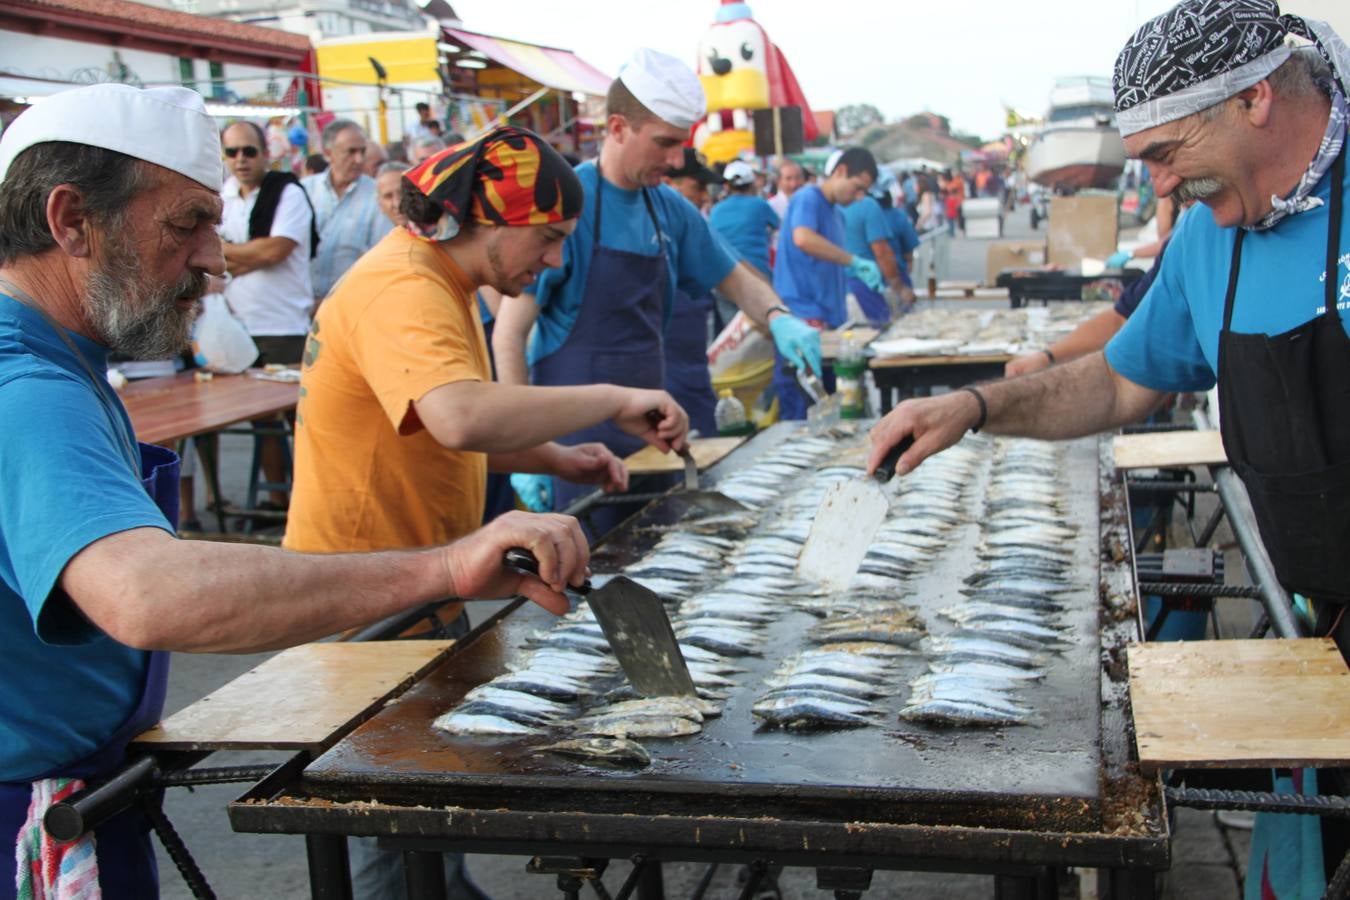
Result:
[[1079, 146]]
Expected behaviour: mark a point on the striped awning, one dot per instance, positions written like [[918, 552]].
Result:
[[562, 70]]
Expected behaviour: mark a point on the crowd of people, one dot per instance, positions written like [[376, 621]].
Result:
[[469, 309]]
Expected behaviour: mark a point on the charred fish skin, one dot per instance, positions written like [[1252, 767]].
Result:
[[615, 751], [802, 713], [956, 712], [639, 726], [456, 722]]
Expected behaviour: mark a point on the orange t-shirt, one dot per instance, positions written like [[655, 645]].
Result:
[[368, 475]]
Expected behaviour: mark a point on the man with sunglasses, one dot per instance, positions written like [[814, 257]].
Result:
[[267, 226]]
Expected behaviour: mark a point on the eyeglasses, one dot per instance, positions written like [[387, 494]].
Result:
[[249, 152]]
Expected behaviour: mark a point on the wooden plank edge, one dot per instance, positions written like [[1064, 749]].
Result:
[[338, 733]]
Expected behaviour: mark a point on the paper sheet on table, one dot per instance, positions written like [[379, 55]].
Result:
[[914, 347]]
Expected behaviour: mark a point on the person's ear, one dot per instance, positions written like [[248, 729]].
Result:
[[1257, 102], [68, 220]]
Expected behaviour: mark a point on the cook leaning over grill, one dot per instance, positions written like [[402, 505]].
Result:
[[601, 315], [107, 235], [1250, 293], [398, 347]]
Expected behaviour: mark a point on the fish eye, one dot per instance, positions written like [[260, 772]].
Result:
[[747, 52]]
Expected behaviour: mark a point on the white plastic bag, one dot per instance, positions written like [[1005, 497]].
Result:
[[740, 344], [220, 342]]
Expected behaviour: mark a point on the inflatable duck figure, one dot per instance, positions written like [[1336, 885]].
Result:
[[741, 70]]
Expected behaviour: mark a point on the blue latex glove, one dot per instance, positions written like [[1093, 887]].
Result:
[[1118, 259], [866, 271], [798, 342], [535, 491]]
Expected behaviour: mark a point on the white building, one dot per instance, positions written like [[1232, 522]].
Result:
[[244, 71]]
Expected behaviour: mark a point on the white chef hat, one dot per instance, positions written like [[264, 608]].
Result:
[[666, 86], [167, 126]]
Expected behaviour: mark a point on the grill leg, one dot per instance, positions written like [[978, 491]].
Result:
[[1040, 886], [651, 886], [1126, 884], [329, 876], [424, 874]]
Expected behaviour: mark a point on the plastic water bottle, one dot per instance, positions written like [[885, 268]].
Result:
[[729, 414], [849, 367]]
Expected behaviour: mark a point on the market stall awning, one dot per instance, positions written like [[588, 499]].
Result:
[[558, 69]]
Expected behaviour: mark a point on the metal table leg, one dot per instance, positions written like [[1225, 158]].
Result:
[[329, 875], [424, 874], [208, 454], [1126, 884]]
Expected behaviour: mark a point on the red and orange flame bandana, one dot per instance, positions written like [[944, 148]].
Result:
[[508, 176]]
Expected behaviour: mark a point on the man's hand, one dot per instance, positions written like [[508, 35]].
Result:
[[474, 567], [866, 271], [797, 341], [1026, 364], [592, 464], [671, 431], [935, 422]]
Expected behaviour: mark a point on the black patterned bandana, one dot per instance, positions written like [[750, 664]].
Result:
[[1201, 52]]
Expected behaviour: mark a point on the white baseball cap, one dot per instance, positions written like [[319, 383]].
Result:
[[739, 172], [666, 86], [167, 126]]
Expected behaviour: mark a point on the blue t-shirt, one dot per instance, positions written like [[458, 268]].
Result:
[[812, 288], [697, 259], [904, 239], [864, 222], [746, 221], [1171, 343], [64, 685]]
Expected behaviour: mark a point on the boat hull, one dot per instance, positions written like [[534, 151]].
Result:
[[1076, 157]]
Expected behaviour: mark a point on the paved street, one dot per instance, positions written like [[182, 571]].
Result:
[[1208, 859]]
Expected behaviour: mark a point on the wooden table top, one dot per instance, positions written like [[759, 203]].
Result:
[[1240, 704], [178, 406], [1168, 448]]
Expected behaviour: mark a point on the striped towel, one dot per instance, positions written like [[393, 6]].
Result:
[[45, 869]]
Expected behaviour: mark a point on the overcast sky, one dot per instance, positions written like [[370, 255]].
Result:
[[955, 57]]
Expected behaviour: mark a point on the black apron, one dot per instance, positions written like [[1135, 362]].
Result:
[[1284, 405]]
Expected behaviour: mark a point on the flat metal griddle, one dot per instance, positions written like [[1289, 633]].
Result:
[[1043, 777]]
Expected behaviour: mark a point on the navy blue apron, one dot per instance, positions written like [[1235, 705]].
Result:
[[616, 340], [126, 858], [872, 303], [688, 378]]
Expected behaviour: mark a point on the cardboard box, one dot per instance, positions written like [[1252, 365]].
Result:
[[1011, 255], [1083, 225], [984, 228]]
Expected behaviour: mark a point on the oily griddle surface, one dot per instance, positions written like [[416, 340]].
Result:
[[1042, 776]]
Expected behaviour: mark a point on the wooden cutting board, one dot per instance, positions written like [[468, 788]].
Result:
[[707, 451], [301, 699], [1240, 704], [1168, 448]]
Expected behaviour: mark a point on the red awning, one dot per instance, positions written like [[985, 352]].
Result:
[[561, 70]]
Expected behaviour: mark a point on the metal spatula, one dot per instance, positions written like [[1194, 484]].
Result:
[[712, 502], [848, 518], [634, 620]]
